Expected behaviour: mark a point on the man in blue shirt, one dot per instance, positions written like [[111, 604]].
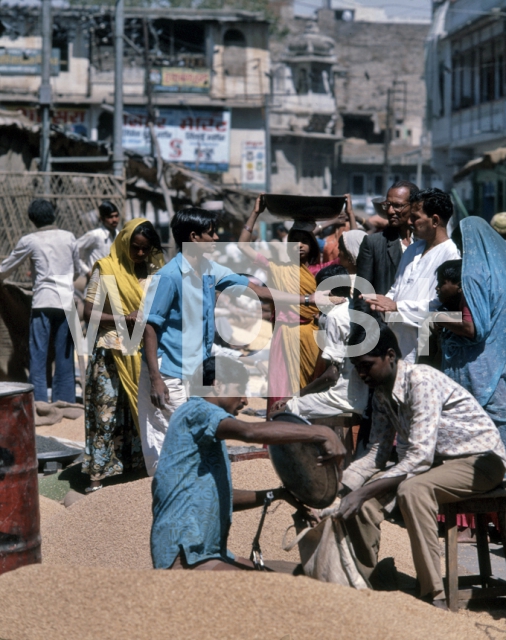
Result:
[[193, 498], [179, 333]]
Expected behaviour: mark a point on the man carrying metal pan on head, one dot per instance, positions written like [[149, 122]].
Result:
[[193, 498]]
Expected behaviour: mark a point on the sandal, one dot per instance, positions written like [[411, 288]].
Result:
[[92, 489]]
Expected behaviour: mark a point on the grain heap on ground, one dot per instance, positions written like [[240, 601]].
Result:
[[49, 509], [82, 598], [111, 527], [89, 603]]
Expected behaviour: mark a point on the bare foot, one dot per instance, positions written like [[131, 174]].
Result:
[[440, 603]]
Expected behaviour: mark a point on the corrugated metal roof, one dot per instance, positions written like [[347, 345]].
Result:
[[17, 119]]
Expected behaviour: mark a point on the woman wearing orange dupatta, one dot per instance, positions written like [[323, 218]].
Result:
[[294, 352], [111, 419]]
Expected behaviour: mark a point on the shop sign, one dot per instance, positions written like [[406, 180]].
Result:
[[200, 139], [26, 62]]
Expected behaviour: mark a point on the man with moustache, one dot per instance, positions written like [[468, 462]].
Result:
[[413, 295], [381, 253]]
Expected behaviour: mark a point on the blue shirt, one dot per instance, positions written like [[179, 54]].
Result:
[[192, 488], [182, 311]]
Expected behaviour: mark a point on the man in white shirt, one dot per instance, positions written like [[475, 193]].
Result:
[[54, 262], [96, 244], [413, 295], [448, 449], [348, 394]]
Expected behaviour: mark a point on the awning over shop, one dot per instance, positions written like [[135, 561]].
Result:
[[487, 161]]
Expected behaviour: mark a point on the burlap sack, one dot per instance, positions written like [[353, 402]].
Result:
[[326, 552]]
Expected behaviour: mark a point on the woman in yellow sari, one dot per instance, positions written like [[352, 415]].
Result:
[[294, 352], [111, 419]]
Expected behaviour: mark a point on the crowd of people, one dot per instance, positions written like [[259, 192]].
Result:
[[428, 393]]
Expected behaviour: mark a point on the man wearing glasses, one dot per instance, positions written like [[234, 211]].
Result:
[[413, 295], [381, 253]]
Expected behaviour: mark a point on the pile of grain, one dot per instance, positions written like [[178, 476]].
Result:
[[256, 475], [68, 429], [80, 602], [49, 508], [111, 527], [108, 528]]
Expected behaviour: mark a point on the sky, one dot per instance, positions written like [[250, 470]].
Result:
[[416, 9]]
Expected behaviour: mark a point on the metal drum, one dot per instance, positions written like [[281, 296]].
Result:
[[19, 494], [296, 466]]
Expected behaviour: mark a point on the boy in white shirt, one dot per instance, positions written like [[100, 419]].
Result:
[[96, 244]]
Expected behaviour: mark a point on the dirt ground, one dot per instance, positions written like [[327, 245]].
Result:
[[107, 534]]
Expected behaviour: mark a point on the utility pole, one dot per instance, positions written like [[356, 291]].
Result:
[[268, 159], [148, 85], [397, 99], [386, 148], [45, 86], [117, 154]]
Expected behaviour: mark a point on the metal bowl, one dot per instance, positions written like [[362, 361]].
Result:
[[304, 208], [65, 457], [378, 208], [296, 466]]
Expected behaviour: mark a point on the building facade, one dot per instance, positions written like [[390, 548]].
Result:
[[303, 114], [466, 87], [200, 78], [340, 80], [379, 92]]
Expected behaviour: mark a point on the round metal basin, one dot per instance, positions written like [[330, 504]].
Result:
[[304, 208], [377, 203], [296, 465]]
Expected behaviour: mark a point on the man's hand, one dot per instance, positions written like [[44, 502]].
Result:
[[259, 204], [279, 405], [341, 219], [324, 301], [333, 448], [351, 505], [159, 394], [283, 494], [323, 298], [131, 319], [330, 376], [348, 206], [380, 303]]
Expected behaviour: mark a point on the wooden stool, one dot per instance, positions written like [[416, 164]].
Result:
[[461, 590]]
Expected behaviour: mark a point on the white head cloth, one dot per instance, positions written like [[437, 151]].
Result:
[[352, 241]]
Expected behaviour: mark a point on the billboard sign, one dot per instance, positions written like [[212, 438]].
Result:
[[199, 139], [181, 80], [26, 62], [253, 165]]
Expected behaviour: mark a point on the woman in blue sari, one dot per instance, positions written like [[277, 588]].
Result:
[[479, 363]]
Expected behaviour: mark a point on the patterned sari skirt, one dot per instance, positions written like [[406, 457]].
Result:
[[112, 442]]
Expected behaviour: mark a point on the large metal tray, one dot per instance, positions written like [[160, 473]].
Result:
[[304, 208], [296, 466]]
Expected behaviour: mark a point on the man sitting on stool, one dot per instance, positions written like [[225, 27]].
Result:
[[448, 448], [193, 497]]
